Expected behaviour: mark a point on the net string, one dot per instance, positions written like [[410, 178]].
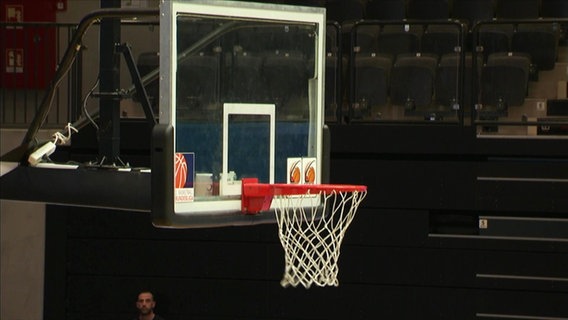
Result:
[[311, 235]]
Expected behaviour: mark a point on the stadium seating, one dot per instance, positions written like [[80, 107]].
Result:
[[448, 78], [428, 9], [554, 8], [245, 73], [332, 85], [425, 48], [440, 39], [397, 39], [285, 75], [473, 11], [504, 80], [371, 79], [386, 9], [366, 37], [341, 10], [538, 40], [198, 82], [517, 9], [412, 80], [492, 38]]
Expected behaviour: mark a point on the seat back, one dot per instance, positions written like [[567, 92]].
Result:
[[412, 80]]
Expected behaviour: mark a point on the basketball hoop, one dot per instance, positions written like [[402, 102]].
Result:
[[312, 221]]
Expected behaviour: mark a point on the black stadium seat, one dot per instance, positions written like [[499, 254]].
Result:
[[412, 80], [332, 85], [428, 9], [554, 9], [448, 78], [473, 11], [494, 38], [540, 41], [386, 9], [244, 74], [504, 79], [366, 37], [397, 39], [286, 77], [371, 80], [332, 37], [345, 10], [198, 83], [517, 9], [440, 39]]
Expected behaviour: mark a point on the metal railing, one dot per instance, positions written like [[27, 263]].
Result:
[[38, 53]]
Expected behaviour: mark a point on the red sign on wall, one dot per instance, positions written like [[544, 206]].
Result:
[[15, 60], [14, 13], [27, 51]]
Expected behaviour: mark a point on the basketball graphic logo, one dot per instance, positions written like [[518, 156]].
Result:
[[295, 172], [310, 172], [180, 171]]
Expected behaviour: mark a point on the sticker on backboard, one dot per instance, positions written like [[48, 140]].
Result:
[[302, 170], [310, 170], [184, 176]]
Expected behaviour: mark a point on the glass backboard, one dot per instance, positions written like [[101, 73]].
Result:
[[241, 96]]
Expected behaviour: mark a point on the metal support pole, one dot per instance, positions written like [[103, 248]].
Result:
[[140, 89], [109, 106]]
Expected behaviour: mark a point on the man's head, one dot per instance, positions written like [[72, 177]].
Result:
[[145, 303]]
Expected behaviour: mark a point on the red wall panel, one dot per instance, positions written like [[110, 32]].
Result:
[[27, 52]]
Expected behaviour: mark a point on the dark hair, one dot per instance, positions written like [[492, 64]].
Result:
[[146, 291]]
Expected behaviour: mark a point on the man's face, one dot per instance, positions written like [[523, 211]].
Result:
[[145, 303]]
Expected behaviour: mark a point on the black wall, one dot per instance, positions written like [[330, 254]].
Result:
[[414, 251]]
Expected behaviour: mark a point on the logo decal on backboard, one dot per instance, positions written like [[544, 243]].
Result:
[[184, 177], [302, 170]]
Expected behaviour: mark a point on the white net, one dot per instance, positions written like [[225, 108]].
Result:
[[311, 235]]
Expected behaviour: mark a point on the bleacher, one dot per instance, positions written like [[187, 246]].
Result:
[[386, 60], [517, 47]]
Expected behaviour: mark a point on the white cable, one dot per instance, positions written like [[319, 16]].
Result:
[[60, 138], [49, 147], [85, 111]]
